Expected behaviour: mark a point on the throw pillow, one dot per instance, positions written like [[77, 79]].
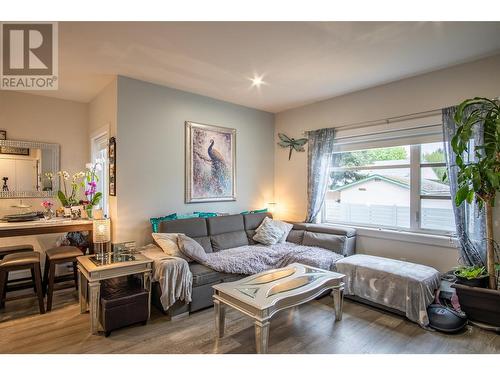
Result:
[[268, 233], [168, 243], [206, 214], [187, 216], [254, 211], [191, 249], [287, 227], [155, 221]]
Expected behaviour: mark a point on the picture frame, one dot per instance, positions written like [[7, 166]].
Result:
[[3, 135], [210, 158], [112, 166], [10, 150]]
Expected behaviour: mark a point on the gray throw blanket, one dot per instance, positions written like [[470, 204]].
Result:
[[173, 275], [249, 260]]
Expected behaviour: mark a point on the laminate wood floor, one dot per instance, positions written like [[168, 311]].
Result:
[[310, 328]]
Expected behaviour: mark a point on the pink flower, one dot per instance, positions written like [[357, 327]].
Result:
[[47, 204]]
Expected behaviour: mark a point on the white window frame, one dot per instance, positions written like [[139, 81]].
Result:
[[95, 136], [416, 196]]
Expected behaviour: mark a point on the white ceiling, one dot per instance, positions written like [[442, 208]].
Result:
[[302, 62]]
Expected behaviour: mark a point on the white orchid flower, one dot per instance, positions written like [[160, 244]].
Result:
[[98, 167]]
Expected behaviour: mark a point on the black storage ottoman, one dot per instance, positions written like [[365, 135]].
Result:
[[124, 301]]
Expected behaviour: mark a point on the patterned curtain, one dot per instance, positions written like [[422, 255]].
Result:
[[320, 149], [469, 220]]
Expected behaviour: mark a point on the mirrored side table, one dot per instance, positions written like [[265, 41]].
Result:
[[93, 269]]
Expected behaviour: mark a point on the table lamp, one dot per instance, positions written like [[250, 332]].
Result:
[[101, 231], [271, 207]]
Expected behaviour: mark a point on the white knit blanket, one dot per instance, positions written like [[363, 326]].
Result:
[[172, 274]]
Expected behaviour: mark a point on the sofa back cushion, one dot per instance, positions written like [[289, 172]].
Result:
[[325, 240], [229, 240], [195, 228], [296, 236], [226, 232]]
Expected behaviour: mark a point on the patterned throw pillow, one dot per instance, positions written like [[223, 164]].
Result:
[[287, 227], [169, 245], [268, 233]]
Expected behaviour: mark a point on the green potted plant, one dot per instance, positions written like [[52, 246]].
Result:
[[479, 180], [69, 197], [91, 178], [475, 276]]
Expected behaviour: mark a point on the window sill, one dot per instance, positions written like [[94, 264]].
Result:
[[396, 235]]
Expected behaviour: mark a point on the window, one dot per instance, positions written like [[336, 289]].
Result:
[[397, 187], [100, 152]]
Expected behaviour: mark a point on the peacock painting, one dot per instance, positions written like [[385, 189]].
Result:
[[210, 155]]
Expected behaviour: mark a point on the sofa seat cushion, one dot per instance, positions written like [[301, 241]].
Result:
[[324, 240], [204, 275]]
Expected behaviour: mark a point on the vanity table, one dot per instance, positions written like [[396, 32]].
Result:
[[42, 226], [32, 182]]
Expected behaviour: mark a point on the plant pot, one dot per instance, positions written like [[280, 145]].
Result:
[[479, 304], [67, 211], [480, 282]]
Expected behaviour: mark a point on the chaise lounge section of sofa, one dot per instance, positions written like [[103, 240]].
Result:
[[226, 232]]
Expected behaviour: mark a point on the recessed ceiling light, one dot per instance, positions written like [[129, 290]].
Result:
[[257, 81]]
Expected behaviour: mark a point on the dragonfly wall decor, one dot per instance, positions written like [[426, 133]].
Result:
[[292, 143]]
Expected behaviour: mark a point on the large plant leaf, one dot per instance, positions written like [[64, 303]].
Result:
[[461, 195], [96, 199], [62, 198]]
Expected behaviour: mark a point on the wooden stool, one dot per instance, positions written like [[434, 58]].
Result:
[[58, 255], [29, 260], [6, 250]]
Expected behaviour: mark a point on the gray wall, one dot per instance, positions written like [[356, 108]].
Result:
[[150, 154]]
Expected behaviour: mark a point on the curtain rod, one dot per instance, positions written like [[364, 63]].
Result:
[[388, 120], [415, 115]]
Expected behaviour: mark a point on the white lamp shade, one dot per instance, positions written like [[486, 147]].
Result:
[[101, 230]]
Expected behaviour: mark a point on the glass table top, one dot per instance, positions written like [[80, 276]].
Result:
[[279, 281], [112, 258]]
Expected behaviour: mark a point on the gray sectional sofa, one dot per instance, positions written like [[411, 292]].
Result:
[[225, 232]]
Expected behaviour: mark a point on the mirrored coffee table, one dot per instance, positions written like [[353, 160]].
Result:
[[262, 295]]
